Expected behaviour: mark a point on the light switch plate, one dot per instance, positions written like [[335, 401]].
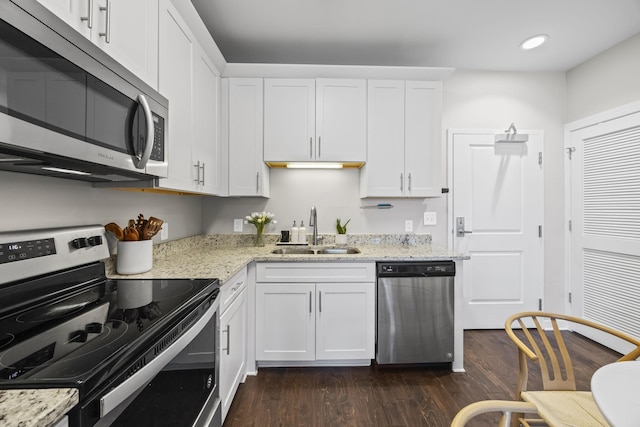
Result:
[[164, 231], [408, 225], [430, 218], [237, 225]]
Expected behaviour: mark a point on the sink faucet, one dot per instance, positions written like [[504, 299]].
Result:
[[313, 222]]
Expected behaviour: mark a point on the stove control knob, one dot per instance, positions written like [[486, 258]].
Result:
[[95, 240], [78, 336], [79, 243], [93, 328]]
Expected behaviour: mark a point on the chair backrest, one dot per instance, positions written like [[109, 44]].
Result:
[[548, 348]]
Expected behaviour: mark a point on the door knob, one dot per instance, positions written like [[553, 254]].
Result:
[[460, 231]]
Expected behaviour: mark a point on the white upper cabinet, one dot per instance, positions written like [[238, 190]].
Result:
[[248, 174], [126, 30], [404, 144], [191, 82], [322, 120], [341, 120]]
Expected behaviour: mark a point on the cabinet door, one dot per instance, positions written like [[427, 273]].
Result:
[[345, 321], [248, 175], [206, 152], [285, 321], [341, 120], [383, 175], [73, 12], [233, 350], [289, 120], [422, 140], [128, 31], [177, 50]]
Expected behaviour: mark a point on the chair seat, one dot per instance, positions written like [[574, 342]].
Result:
[[566, 408]]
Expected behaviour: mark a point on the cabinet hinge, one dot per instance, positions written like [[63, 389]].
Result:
[[539, 231], [540, 158], [569, 297], [570, 225], [540, 304]]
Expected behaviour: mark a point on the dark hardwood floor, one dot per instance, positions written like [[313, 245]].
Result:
[[375, 396]]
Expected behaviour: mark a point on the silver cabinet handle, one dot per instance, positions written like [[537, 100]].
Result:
[[228, 331], [319, 147], [311, 147], [140, 160], [197, 166], [89, 17], [401, 182], [309, 302], [202, 181], [257, 182], [107, 20], [320, 301], [409, 186]]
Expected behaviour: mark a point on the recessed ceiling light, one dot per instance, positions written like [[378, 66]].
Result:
[[533, 42]]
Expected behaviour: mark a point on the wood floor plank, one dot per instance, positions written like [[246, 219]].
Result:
[[399, 396]]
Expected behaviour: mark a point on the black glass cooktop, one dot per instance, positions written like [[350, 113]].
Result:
[[81, 333]]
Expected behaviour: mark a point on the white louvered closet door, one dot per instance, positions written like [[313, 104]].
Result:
[[605, 214]]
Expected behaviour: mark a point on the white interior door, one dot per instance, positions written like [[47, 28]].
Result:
[[498, 191], [605, 216]]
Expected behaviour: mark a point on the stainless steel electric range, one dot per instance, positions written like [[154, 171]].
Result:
[[140, 352]]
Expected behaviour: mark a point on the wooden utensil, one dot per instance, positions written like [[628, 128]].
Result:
[[115, 229], [153, 226]]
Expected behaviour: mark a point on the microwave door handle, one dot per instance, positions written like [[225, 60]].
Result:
[[140, 161]]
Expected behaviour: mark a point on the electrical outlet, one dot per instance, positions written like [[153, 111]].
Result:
[[237, 225], [164, 231], [408, 225], [430, 218]]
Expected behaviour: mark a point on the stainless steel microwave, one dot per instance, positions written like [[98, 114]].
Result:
[[69, 110]]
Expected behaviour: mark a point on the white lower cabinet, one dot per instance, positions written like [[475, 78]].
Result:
[[233, 338], [330, 318]]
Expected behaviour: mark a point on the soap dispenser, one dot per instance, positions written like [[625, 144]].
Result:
[[294, 233], [302, 233]]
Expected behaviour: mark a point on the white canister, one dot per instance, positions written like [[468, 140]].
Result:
[[134, 256]]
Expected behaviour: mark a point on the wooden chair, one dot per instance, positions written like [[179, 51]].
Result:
[[558, 401], [507, 407]]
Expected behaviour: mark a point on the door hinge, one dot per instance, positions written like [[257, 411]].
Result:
[[540, 304], [569, 297], [539, 231], [570, 151], [540, 158], [570, 225]]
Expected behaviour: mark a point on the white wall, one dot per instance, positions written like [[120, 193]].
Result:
[[30, 201], [608, 80], [335, 193]]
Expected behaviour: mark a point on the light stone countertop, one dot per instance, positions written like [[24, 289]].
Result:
[[204, 257], [35, 408]]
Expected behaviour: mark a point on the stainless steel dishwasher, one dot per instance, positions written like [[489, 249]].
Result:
[[415, 312]]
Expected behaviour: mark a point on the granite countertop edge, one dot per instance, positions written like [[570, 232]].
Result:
[[36, 407]]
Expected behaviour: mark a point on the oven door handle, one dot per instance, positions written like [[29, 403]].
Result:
[[115, 397]]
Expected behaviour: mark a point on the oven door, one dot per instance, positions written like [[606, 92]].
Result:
[[177, 388]]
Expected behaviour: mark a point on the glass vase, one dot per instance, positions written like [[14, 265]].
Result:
[[259, 236]]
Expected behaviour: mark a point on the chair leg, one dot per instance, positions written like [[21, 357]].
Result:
[[507, 407]]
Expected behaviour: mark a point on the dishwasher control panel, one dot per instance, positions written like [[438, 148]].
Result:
[[416, 269]]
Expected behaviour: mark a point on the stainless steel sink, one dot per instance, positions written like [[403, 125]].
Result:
[[338, 251], [321, 251], [293, 251]]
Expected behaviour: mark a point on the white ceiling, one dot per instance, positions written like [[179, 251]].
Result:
[[464, 34]]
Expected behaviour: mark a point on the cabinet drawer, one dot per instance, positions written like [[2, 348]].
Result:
[[296, 272], [232, 288]]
